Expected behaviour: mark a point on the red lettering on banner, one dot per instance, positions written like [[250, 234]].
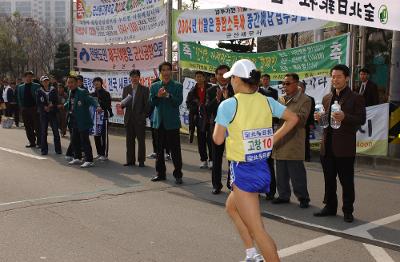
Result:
[[218, 23], [224, 24], [242, 22]]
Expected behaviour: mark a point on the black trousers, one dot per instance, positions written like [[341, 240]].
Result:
[[170, 138], [13, 111], [307, 145], [272, 186], [70, 149], [204, 142], [135, 131], [216, 172], [102, 140], [155, 142], [344, 168], [80, 139], [32, 125], [45, 120]]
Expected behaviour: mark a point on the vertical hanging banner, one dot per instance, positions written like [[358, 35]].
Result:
[[310, 60], [114, 82], [382, 14], [143, 55], [237, 23], [117, 21]]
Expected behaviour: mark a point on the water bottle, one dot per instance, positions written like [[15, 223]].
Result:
[[335, 108], [319, 108]]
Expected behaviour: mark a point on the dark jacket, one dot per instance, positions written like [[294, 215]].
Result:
[[21, 92], [371, 95], [344, 139], [310, 119], [197, 112], [12, 96], [269, 92], [212, 103], [104, 100], [81, 113], [166, 110], [141, 106], [43, 100]]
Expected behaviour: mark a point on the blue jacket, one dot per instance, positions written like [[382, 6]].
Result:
[[166, 110]]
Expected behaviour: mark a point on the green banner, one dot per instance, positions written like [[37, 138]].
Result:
[[307, 61]]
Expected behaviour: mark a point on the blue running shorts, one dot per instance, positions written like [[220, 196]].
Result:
[[252, 177]]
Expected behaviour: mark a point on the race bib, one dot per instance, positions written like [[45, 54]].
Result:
[[257, 143]]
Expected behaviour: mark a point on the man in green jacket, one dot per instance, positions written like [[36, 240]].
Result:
[[27, 102], [77, 105], [166, 96]]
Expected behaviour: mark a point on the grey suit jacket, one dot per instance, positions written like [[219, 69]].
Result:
[[136, 113]]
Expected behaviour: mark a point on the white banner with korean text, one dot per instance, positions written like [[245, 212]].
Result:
[[378, 13], [237, 23]]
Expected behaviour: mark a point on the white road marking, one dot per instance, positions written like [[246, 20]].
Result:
[[378, 253], [22, 153], [307, 245]]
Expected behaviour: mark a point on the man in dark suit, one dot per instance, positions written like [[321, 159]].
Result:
[[338, 146], [198, 119], [136, 104], [26, 93], [367, 89], [215, 95], [266, 89], [104, 99], [81, 122], [166, 96], [47, 104]]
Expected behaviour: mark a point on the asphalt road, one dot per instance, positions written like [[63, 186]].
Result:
[[50, 211]]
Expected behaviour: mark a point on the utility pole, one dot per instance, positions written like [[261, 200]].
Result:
[[71, 43], [169, 31], [363, 45], [353, 48], [318, 35], [394, 93]]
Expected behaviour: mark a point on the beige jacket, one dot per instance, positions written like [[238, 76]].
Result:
[[292, 146]]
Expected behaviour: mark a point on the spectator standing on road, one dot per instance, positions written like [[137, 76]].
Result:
[[289, 152], [215, 96], [12, 109], [166, 96], [338, 146], [198, 118], [62, 114], [247, 119], [47, 105], [27, 102], [104, 99], [78, 104], [135, 99], [367, 89]]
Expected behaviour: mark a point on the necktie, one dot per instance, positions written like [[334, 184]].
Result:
[[362, 89]]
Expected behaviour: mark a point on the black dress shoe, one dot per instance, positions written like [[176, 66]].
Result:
[[141, 164], [280, 201], [269, 197], [325, 213], [348, 217], [216, 191], [158, 178], [178, 181], [304, 204], [30, 145]]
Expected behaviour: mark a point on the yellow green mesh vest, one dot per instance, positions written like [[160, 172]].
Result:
[[250, 133]]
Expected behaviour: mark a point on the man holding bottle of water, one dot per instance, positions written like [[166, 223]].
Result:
[[338, 146]]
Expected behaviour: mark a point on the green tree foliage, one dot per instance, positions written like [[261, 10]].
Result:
[[61, 62]]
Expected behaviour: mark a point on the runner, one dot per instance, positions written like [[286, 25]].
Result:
[[249, 144]]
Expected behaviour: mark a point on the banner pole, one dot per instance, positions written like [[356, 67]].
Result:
[[71, 43]]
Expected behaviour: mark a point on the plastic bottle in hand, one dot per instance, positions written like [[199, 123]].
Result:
[[335, 108], [319, 108]]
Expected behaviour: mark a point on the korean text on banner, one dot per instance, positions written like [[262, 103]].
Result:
[[309, 60], [114, 82], [377, 13], [142, 55], [237, 23], [144, 22]]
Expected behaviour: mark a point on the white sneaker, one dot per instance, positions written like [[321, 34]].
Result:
[[102, 158], [210, 164], [69, 158], [152, 156], [168, 157], [204, 165], [75, 162], [255, 258], [97, 157], [87, 164]]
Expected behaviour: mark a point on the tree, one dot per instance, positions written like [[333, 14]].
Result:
[[192, 5], [61, 62], [238, 46]]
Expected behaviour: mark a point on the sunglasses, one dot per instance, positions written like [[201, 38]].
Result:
[[287, 83]]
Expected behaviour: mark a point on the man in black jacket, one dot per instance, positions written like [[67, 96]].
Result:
[[47, 106], [215, 95], [266, 89], [198, 119], [12, 105], [104, 99], [309, 123], [367, 88]]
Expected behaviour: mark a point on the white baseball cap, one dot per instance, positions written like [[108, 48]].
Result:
[[241, 68], [43, 78]]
